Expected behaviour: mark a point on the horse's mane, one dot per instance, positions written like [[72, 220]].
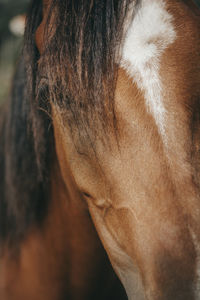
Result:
[[23, 179], [82, 85], [23, 182]]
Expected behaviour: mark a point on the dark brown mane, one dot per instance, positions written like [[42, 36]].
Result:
[[84, 74], [24, 183], [79, 75]]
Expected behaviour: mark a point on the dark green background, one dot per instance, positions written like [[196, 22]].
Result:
[[10, 45]]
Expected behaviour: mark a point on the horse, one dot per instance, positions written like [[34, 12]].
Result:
[[99, 153]]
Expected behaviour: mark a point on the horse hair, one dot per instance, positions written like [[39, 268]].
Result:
[[80, 76]]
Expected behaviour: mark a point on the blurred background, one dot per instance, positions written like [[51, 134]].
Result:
[[12, 19]]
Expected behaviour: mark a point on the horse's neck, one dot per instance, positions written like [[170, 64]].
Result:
[[64, 258]]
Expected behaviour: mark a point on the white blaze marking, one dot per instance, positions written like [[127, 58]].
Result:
[[149, 34]]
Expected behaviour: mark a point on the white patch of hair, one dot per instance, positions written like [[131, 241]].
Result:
[[149, 33]]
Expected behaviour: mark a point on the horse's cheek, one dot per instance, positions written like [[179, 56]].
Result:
[[116, 230]]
